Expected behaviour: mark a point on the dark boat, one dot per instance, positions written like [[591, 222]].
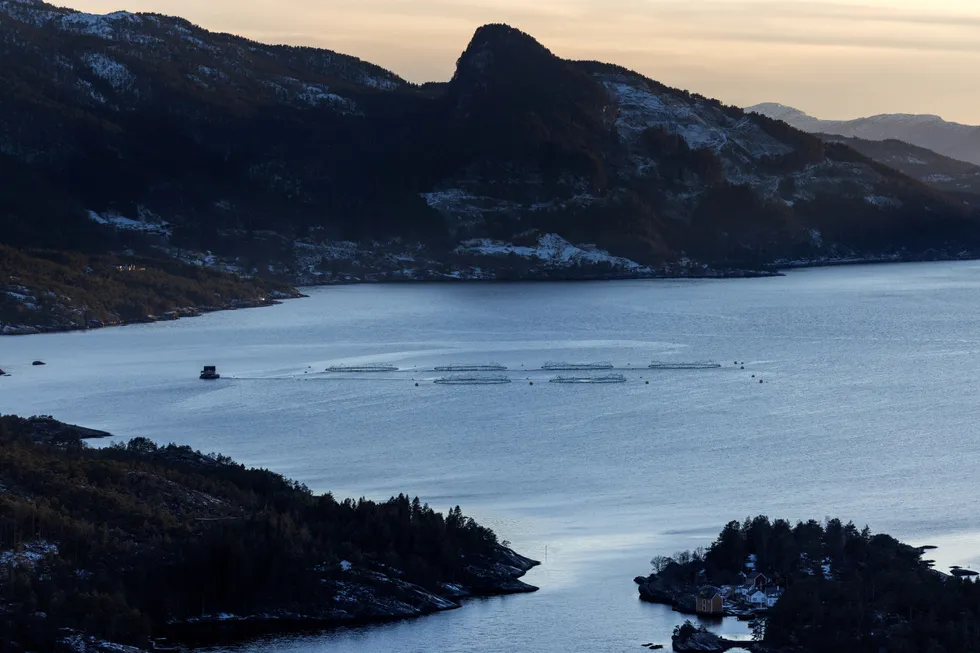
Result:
[[210, 373]]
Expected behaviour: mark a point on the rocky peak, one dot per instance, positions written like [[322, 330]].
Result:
[[498, 50]]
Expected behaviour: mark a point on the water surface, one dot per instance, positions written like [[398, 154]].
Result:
[[869, 411]]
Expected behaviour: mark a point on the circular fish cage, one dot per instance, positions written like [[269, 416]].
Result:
[[473, 380], [609, 378], [576, 367], [470, 367], [379, 367], [693, 365]]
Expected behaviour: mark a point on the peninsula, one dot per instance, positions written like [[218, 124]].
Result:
[[135, 544]]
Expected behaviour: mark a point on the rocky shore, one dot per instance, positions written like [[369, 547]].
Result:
[[691, 640], [46, 429], [368, 595], [653, 589]]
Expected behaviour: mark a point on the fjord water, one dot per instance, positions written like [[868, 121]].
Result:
[[869, 411]]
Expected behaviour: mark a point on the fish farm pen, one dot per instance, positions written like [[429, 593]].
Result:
[[696, 365], [363, 368], [609, 378], [488, 367], [473, 380], [576, 367]]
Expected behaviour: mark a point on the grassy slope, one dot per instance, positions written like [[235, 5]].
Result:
[[63, 288]]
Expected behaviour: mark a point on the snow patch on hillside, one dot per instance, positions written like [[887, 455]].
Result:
[[27, 301], [148, 223], [882, 202], [699, 123], [552, 249], [79, 643], [103, 26], [88, 89], [31, 554], [29, 12], [466, 208], [379, 83], [108, 69], [318, 94]]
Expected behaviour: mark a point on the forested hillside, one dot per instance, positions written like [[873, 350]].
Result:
[[141, 130], [136, 541], [840, 588], [957, 179], [43, 290]]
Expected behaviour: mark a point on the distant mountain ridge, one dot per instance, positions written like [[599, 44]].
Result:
[[145, 133], [957, 178], [955, 140]]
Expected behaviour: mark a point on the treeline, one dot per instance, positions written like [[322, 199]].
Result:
[[121, 541]]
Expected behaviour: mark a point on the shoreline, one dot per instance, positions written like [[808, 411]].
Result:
[[170, 316], [778, 269], [217, 630]]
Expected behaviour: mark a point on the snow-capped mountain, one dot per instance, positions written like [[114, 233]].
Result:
[[961, 142], [318, 166]]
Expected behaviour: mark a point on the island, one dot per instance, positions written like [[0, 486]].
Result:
[[816, 587], [149, 546]]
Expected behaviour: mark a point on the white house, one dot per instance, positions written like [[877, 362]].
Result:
[[764, 599]]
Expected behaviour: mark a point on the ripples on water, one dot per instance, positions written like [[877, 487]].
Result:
[[869, 411]]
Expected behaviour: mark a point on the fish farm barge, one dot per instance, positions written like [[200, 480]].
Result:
[[696, 365], [362, 368], [576, 367], [609, 378], [489, 367], [473, 380]]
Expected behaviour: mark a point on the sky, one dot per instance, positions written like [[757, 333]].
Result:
[[834, 59]]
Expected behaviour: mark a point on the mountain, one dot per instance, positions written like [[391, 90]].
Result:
[[941, 172], [961, 142], [143, 133]]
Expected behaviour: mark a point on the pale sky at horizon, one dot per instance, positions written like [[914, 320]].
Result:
[[833, 59]]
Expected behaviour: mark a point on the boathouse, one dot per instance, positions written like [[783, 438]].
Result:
[[709, 601]]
